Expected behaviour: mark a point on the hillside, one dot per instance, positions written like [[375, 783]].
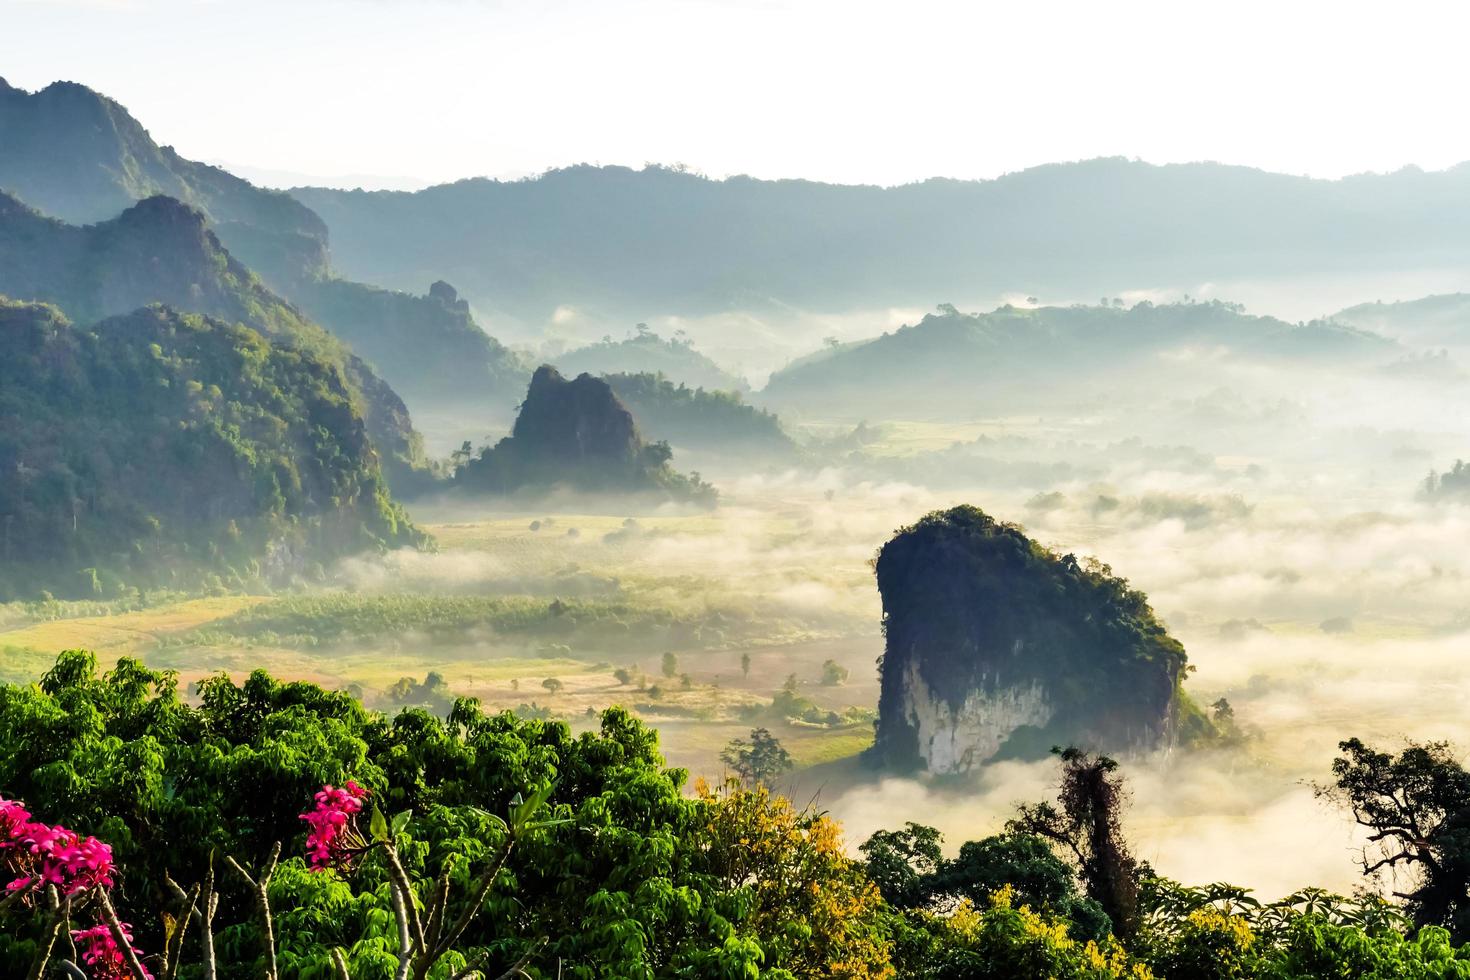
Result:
[[578, 435], [694, 418], [429, 348], [625, 244], [1014, 356], [1433, 320], [162, 251], [648, 353], [80, 156], [155, 446]]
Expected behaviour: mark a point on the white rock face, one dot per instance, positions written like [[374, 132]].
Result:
[[958, 741]]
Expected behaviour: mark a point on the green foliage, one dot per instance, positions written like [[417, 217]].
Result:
[[159, 444], [621, 888], [902, 863], [1002, 940]]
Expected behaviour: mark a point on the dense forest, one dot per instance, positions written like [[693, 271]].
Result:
[[155, 448], [279, 829]]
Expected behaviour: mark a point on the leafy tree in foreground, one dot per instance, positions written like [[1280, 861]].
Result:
[[1416, 808], [902, 863], [619, 886], [1087, 825]]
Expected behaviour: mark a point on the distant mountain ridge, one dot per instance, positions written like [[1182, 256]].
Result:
[[1005, 357], [647, 353], [637, 244]]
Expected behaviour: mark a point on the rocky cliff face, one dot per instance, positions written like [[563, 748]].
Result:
[[998, 648]]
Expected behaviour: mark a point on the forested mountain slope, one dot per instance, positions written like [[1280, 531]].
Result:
[[155, 446]]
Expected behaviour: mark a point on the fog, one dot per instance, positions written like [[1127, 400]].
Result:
[[1272, 509]]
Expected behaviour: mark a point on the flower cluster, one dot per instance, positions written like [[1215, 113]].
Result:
[[332, 838], [102, 954], [39, 854]]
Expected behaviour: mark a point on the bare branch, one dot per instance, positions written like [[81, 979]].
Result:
[[59, 913], [114, 925], [263, 902]]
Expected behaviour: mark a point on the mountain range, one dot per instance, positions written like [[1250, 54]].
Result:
[[79, 156]]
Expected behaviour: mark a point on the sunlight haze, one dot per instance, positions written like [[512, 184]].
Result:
[[849, 92]]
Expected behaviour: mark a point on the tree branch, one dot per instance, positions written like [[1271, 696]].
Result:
[[262, 898], [114, 925], [59, 912]]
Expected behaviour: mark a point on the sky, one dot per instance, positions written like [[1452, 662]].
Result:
[[418, 91]]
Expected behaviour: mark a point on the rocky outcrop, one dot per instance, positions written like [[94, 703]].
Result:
[[577, 434], [999, 648]]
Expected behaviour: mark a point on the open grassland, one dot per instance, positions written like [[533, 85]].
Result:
[[559, 616]]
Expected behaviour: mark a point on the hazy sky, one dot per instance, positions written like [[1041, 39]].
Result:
[[842, 90]]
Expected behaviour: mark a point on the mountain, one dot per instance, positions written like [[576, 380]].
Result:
[[80, 156], [648, 353], [718, 422], [162, 251], [577, 434], [620, 244], [1434, 320], [1013, 357], [998, 648], [157, 446], [428, 347]]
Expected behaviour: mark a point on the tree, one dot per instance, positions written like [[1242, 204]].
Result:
[[165, 781], [800, 884], [670, 665], [1088, 829], [902, 863], [1027, 865], [745, 665], [759, 760], [624, 676], [833, 674], [552, 685], [1416, 807]]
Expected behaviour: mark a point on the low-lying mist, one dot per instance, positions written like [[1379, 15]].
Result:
[[1276, 518]]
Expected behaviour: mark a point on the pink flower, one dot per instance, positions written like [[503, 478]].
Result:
[[331, 837], [101, 952], [40, 854]]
